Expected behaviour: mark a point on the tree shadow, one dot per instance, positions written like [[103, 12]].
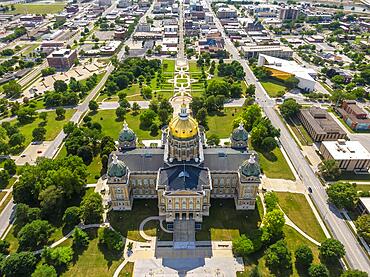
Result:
[[110, 255]]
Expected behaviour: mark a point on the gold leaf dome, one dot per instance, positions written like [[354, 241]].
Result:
[[183, 126]]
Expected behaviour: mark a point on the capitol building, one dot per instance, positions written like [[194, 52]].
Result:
[[183, 174]]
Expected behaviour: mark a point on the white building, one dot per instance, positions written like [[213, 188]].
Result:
[[105, 3], [350, 155], [280, 68]]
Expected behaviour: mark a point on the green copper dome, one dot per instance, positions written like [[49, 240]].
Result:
[[117, 168], [240, 134], [251, 167], [126, 134]]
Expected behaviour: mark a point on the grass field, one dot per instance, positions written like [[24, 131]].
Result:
[[223, 130], [273, 87], [193, 67], [363, 187], [53, 126], [6, 201], [225, 223], [168, 66], [38, 8], [112, 127], [275, 166], [299, 211], [127, 223], [93, 170], [95, 261]]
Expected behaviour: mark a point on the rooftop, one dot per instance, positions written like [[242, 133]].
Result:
[[346, 150]]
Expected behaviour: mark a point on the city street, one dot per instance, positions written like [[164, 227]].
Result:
[[355, 255]]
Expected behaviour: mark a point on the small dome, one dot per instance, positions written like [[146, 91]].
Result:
[[117, 168], [239, 133], [250, 167], [183, 126], [126, 134]]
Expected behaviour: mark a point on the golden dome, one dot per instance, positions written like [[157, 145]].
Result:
[[183, 126]]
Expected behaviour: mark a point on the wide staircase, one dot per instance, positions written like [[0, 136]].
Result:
[[184, 234]]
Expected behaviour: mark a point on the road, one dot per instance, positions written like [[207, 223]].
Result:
[[355, 256]]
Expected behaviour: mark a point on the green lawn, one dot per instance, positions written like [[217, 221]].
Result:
[[38, 8], [53, 126], [226, 223], [299, 211], [6, 201], [193, 67], [274, 165], [224, 129], [95, 261], [168, 66], [128, 222], [111, 127], [273, 87], [363, 187], [93, 170], [300, 132]]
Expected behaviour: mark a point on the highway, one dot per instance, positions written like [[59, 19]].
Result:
[[355, 256]]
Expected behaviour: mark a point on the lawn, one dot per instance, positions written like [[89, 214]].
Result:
[[273, 87], [363, 187], [38, 8], [224, 129], [95, 261], [226, 223], [111, 127], [256, 261], [128, 222], [300, 131], [53, 126], [299, 211], [274, 165], [6, 201], [168, 66], [193, 67], [93, 170]]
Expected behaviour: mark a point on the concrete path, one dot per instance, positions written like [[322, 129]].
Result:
[[291, 224]]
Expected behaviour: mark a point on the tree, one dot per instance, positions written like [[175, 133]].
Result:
[[354, 273], [235, 90], [34, 234], [251, 89], [38, 134], [342, 195], [58, 256], [135, 108], [19, 264], [329, 170], [338, 79], [250, 116], [120, 113], [48, 71], [17, 139], [303, 256], [12, 89], [60, 112], [147, 118], [43, 116], [4, 247], [92, 208], [363, 226], [4, 178], [201, 117], [111, 239], [243, 246], [146, 92], [213, 140], [71, 216], [93, 106], [86, 153], [289, 108], [268, 144], [331, 250], [318, 270], [51, 201], [271, 201], [80, 238], [60, 86], [44, 270], [273, 223], [69, 127], [278, 257], [26, 115], [218, 87]]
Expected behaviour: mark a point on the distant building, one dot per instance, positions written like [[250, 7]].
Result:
[[284, 69], [110, 48], [213, 42], [62, 59], [105, 3], [289, 13], [226, 13], [349, 155], [320, 125], [253, 51], [354, 116], [72, 9]]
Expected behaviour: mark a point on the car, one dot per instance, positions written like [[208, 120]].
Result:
[[39, 152], [309, 189], [23, 155]]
